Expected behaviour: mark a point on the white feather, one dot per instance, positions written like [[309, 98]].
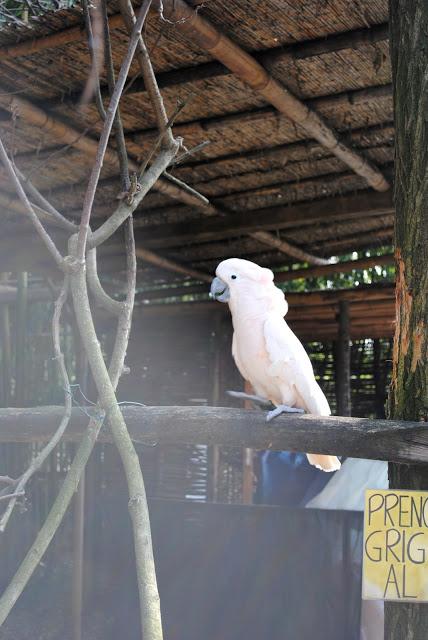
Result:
[[290, 363]]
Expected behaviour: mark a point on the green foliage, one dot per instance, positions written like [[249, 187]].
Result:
[[355, 278], [23, 12]]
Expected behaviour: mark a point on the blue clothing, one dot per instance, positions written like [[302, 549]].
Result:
[[288, 479]]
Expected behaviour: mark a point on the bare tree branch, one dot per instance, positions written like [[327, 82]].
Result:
[[71, 481], [146, 67], [119, 135], [96, 49], [105, 134], [186, 187], [29, 208], [101, 297], [52, 522], [124, 209], [38, 461], [12, 496], [53, 214], [158, 142], [82, 275]]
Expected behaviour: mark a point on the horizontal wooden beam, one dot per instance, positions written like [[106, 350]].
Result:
[[8, 294], [335, 267], [170, 265], [367, 139], [405, 442], [366, 203], [214, 125], [282, 276], [67, 134], [53, 40], [302, 300]]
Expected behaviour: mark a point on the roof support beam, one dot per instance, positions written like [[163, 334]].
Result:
[[296, 51], [282, 276], [68, 135], [364, 204], [246, 67]]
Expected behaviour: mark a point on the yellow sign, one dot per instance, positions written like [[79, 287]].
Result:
[[395, 553]]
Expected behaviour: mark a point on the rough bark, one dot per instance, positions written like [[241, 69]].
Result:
[[405, 442], [408, 398]]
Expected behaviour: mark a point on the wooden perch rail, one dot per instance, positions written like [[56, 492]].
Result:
[[404, 442]]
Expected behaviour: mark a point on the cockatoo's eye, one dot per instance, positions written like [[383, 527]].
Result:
[[233, 277]]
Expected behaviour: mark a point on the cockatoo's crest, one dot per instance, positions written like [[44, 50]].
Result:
[[242, 277]]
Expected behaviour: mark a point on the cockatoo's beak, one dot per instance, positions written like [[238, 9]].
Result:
[[219, 290]]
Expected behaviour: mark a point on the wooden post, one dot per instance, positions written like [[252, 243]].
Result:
[[408, 397], [379, 379], [79, 515], [6, 352], [343, 362], [247, 461], [21, 338], [214, 450]]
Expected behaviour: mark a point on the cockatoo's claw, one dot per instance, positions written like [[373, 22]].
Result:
[[282, 408], [247, 396]]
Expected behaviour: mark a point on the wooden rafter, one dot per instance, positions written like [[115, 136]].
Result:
[[68, 135], [281, 54], [207, 37], [366, 203], [284, 276], [262, 114]]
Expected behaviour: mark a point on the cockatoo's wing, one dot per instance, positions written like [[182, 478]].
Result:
[[238, 362], [290, 361]]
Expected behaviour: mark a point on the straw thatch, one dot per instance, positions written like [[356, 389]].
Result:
[[333, 56]]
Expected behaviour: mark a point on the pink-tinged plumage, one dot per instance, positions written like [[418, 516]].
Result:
[[266, 351]]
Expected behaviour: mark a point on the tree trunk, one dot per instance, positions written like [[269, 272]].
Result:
[[408, 397]]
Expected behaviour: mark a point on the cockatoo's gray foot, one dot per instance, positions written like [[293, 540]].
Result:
[[282, 408], [248, 396]]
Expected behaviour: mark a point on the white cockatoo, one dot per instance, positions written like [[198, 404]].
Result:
[[266, 351]]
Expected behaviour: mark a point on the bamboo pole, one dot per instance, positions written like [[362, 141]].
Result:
[[247, 459], [6, 351], [67, 135], [214, 450], [51, 41], [207, 37], [169, 265], [21, 338], [77, 587]]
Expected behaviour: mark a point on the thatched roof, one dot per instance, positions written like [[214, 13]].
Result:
[[261, 170]]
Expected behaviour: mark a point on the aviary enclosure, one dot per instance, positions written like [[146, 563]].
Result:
[[141, 145]]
